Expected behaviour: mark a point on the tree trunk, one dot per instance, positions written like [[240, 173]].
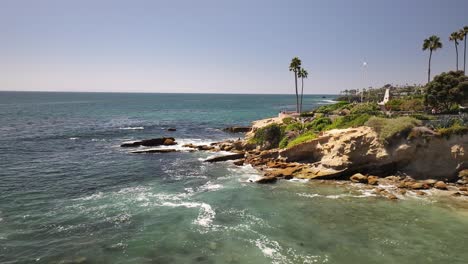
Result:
[[297, 96], [456, 52], [464, 58], [302, 94], [429, 68]]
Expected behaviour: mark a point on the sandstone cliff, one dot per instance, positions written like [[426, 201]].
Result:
[[341, 153]]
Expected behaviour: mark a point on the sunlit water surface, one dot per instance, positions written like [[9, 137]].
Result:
[[70, 194]]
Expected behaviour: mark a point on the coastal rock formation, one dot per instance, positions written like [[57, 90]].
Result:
[[344, 152], [154, 142], [237, 129], [226, 157]]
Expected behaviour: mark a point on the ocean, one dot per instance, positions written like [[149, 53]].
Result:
[[70, 194]]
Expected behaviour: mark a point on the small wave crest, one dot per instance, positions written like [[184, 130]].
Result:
[[132, 128]]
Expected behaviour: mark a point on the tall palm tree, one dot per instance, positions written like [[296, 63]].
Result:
[[455, 37], [432, 43], [463, 32], [302, 74], [295, 66]]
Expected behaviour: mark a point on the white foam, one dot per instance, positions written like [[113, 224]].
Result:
[[209, 186], [246, 173], [93, 196], [299, 180], [205, 216], [74, 138], [364, 194], [132, 128]]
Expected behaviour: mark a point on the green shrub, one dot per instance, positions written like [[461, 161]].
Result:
[[318, 124], [269, 136], [349, 121], [453, 130], [422, 117], [288, 120], [327, 109], [365, 108], [302, 138], [284, 142], [294, 127], [416, 105], [394, 105], [307, 114], [390, 127]]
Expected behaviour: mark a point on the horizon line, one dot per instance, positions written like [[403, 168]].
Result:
[[123, 92]]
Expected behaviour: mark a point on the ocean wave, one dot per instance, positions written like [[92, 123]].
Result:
[[74, 138], [364, 194], [209, 186], [206, 214], [277, 254], [132, 128], [245, 173]]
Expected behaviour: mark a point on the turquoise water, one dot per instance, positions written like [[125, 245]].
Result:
[[70, 194]]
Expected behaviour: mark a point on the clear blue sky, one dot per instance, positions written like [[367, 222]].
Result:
[[221, 46]]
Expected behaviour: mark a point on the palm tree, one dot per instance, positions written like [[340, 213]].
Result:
[[455, 37], [463, 32], [432, 43], [295, 66], [302, 74]]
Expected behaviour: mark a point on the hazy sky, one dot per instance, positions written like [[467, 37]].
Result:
[[221, 46]]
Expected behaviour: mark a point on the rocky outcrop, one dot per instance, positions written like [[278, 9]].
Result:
[[154, 142], [153, 150], [226, 157], [237, 129], [338, 154]]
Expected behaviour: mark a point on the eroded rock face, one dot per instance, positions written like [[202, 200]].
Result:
[[344, 152]]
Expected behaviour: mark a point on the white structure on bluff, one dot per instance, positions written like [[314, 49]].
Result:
[[386, 97]]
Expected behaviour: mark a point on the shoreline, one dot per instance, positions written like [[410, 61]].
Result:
[[272, 166]]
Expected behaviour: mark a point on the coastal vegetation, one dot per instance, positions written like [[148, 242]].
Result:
[[432, 44], [299, 72], [295, 67], [455, 37], [447, 91]]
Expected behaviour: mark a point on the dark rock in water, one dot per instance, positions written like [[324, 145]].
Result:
[[172, 129], [236, 129], [269, 179], [150, 142], [154, 151], [169, 142], [205, 147], [239, 162], [226, 157]]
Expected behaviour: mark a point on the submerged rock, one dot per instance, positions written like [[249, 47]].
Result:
[[154, 142], [172, 129], [237, 129], [239, 162], [155, 150], [226, 157], [268, 179]]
